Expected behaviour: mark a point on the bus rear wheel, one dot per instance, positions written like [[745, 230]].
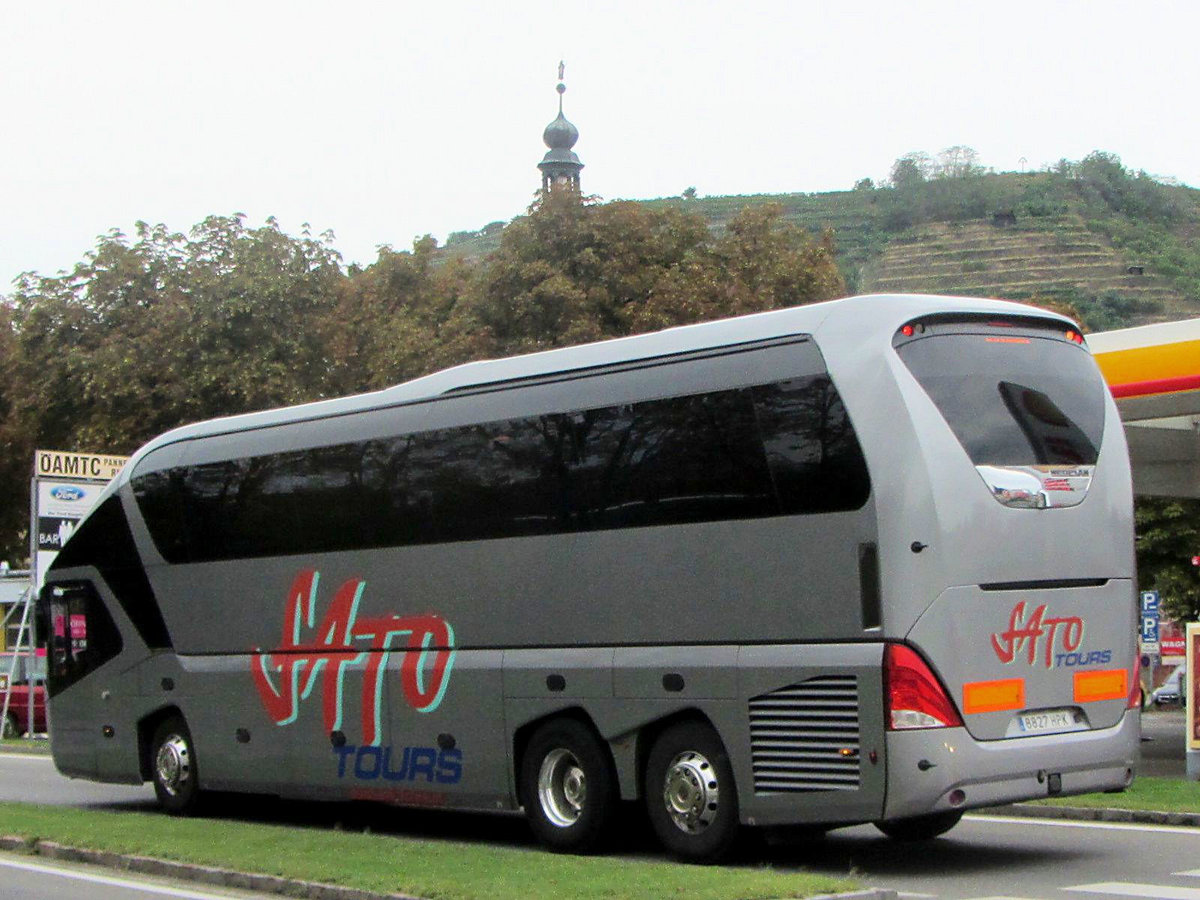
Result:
[[921, 828], [173, 766], [690, 796], [568, 787]]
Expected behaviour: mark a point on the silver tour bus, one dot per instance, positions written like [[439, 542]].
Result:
[[868, 560]]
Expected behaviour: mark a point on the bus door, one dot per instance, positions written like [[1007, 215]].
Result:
[[81, 638]]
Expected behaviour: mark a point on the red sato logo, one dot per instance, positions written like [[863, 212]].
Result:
[[307, 652], [1025, 635]]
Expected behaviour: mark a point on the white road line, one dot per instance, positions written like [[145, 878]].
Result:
[[1030, 822], [1193, 873], [39, 757], [1133, 889], [148, 888]]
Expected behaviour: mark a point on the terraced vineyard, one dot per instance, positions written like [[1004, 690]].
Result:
[[1046, 256]]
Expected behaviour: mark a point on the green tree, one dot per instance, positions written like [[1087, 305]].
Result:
[[958, 161], [16, 447], [910, 170], [1168, 536], [572, 272], [390, 321]]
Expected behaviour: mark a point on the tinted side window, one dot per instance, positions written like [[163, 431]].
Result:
[[105, 542], [814, 454], [685, 459], [778, 449]]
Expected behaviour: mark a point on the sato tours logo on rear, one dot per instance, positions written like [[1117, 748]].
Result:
[[1045, 640], [342, 642]]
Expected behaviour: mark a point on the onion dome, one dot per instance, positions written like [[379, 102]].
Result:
[[560, 166]]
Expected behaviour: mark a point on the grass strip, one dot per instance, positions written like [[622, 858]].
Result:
[[1146, 793], [24, 745], [433, 869]]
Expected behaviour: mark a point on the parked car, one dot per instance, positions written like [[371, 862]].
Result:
[[16, 722], [1173, 691]]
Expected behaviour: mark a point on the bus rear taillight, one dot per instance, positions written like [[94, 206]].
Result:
[[1135, 691], [915, 697]]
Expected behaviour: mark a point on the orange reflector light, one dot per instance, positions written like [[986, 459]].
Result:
[[1107, 684], [1074, 336], [993, 696]]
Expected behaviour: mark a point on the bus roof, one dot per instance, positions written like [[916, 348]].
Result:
[[875, 315]]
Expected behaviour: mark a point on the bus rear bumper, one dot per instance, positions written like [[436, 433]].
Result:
[[942, 769]]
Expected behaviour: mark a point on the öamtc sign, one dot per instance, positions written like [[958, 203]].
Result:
[[76, 466]]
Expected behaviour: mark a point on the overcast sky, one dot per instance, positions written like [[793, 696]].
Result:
[[385, 121]]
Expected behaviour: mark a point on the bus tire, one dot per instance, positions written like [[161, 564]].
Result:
[[690, 795], [173, 767], [568, 787], [920, 828]]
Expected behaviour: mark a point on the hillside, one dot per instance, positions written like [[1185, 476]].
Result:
[[1120, 247]]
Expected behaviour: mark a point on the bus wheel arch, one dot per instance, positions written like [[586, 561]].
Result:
[[689, 790], [146, 727], [566, 782]]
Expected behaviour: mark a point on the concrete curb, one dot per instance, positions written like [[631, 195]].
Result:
[[1091, 814], [210, 875], [268, 884]]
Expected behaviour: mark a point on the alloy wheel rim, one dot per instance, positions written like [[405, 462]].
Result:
[[691, 792], [562, 788]]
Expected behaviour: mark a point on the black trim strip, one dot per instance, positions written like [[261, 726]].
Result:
[[1049, 584], [649, 362]]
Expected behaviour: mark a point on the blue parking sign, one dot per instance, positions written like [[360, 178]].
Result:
[[1150, 602]]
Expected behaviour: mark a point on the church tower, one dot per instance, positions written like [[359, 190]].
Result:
[[560, 166]]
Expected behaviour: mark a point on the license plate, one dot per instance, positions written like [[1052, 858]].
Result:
[[1047, 720]]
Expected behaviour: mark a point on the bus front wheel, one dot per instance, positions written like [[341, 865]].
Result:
[[690, 795], [921, 828], [173, 764], [568, 787]]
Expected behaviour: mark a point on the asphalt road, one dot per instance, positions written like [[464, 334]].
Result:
[[1163, 733]]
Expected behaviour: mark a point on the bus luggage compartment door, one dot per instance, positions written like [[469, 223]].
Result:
[[814, 750]]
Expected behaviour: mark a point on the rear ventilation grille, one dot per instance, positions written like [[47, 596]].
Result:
[[805, 737]]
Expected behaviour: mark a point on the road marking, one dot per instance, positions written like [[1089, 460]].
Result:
[[1069, 823], [145, 887], [1194, 873], [37, 756], [1132, 889]]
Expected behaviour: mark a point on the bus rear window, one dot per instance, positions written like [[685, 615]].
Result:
[[1013, 395]]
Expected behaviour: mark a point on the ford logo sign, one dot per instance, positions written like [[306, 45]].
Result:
[[67, 493]]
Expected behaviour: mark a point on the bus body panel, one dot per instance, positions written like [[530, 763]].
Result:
[[1004, 653], [743, 582]]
